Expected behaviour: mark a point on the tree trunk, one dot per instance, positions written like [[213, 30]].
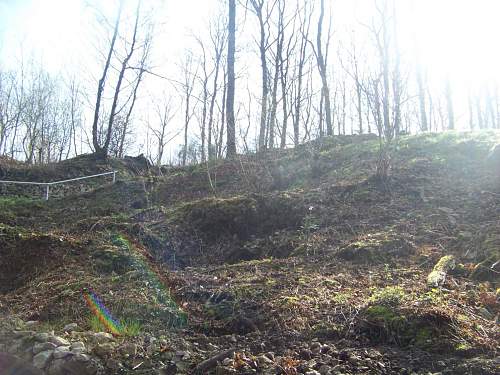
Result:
[[323, 74], [100, 88], [421, 99], [231, 126], [119, 83], [449, 105]]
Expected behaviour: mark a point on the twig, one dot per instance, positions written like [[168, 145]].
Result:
[[212, 361]]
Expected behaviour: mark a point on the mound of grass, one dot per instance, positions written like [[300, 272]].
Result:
[[377, 248], [388, 296], [429, 330], [16, 208]]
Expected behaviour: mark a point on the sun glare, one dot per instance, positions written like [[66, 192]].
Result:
[[458, 38]]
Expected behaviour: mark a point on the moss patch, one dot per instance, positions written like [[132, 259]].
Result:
[[442, 267], [429, 330], [377, 248]]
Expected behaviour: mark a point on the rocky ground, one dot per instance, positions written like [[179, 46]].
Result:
[[289, 262]]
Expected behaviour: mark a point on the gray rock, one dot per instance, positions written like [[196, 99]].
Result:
[[32, 323], [113, 364], [101, 337], [42, 337], [56, 367], [42, 359], [227, 362], [221, 370], [78, 351], [62, 352], [19, 367], [324, 370], [82, 357], [213, 347], [41, 347], [129, 349], [15, 347], [78, 345], [263, 361], [59, 341], [312, 372], [104, 350], [70, 327], [149, 339], [316, 347], [22, 334], [82, 364]]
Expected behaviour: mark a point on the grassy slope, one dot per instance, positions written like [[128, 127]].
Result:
[[282, 249]]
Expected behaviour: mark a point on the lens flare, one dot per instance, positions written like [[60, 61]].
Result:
[[102, 313]]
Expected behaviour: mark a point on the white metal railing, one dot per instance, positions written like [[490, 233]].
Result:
[[49, 184]]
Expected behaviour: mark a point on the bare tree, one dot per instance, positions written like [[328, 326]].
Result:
[[284, 64], [263, 10], [165, 113], [203, 99], [305, 22], [138, 80], [231, 126], [322, 67], [8, 109], [100, 150], [421, 99], [76, 113], [218, 37], [277, 59], [187, 86], [124, 65], [449, 104]]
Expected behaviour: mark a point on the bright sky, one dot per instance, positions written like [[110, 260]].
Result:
[[458, 38], [60, 30], [455, 36]]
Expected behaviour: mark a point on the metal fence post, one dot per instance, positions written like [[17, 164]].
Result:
[[47, 189], [114, 177]]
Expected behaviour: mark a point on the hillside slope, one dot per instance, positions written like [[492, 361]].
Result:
[[293, 261]]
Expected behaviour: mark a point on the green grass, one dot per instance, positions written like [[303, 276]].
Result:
[[12, 208], [389, 296], [129, 327], [96, 325]]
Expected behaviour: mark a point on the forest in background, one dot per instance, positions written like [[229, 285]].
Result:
[[297, 77]]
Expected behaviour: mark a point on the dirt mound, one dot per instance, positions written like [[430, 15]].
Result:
[[377, 248], [429, 329], [219, 230], [83, 165], [24, 256], [7, 162], [242, 217]]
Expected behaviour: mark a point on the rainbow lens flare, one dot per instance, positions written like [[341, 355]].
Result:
[[102, 313]]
